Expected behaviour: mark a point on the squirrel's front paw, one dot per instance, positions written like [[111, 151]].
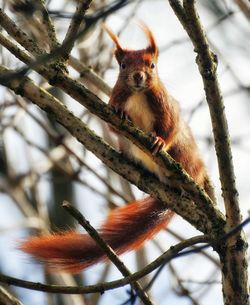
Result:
[[157, 144], [122, 114]]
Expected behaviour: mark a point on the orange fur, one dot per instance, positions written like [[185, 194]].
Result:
[[125, 229], [140, 95], [151, 108]]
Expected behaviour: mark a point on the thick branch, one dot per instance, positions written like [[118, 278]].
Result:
[[96, 106], [20, 36], [171, 196], [207, 64], [233, 251]]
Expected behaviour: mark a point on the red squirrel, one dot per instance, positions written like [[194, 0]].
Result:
[[140, 96]]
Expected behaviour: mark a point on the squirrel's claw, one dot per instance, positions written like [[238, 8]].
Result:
[[157, 144], [122, 114]]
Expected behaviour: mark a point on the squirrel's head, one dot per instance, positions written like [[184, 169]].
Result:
[[138, 68]]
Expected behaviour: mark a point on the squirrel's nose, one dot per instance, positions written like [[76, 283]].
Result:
[[138, 77]]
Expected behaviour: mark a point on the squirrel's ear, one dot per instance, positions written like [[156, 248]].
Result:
[[119, 54], [119, 51], [152, 46]]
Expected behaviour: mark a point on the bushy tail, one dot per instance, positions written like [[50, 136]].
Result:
[[126, 229]]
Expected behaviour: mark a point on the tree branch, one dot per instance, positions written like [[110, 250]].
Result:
[[49, 26], [7, 299], [20, 36], [244, 6], [207, 219], [77, 91], [163, 259], [74, 26], [207, 64], [56, 53], [90, 75], [108, 250], [235, 278]]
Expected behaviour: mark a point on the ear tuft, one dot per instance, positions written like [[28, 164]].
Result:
[[152, 46], [119, 51]]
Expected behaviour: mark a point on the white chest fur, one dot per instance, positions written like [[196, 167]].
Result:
[[139, 111], [141, 115]]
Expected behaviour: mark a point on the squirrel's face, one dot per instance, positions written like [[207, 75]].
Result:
[[138, 69]]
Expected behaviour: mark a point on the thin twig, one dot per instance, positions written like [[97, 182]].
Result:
[[172, 253], [7, 299], [90, 75], [181, 290], [180, 239], [165, 257], [55, 54], [107, 249], [74, 26], [59, 141], [49, 26], [244, 7]]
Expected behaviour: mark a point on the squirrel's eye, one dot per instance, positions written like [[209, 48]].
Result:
[[123, 65], [152, 66]]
